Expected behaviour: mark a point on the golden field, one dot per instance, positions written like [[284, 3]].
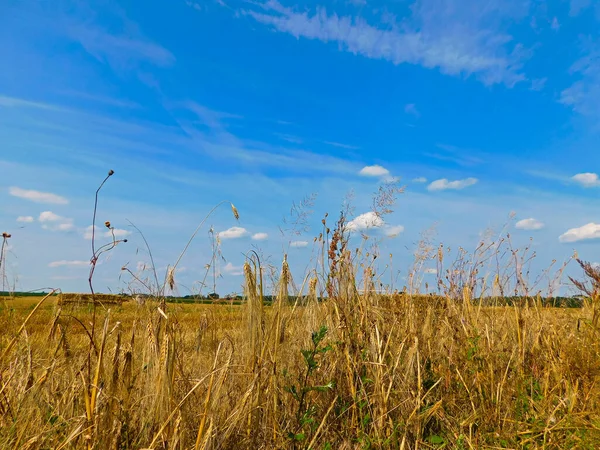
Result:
[[393, 371]]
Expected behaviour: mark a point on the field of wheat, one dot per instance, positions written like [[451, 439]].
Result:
[[352, 371], [340, 362]]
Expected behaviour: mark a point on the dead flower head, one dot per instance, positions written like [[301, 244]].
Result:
[[111, 173], [6, 235], [107, 224], [171, 277]]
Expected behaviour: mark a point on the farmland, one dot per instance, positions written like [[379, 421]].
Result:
[[354, 371]]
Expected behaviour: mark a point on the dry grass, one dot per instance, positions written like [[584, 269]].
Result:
[[394, 371], [359, 370]]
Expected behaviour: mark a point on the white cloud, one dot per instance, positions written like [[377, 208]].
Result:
[[299, 244], [11, 102], [25, 219], [583, 95], [374, 171], [340, 145], [49, 216], [260, 236], [233, 270], [587, 179], [365, 221], [576, 6], [529, 224], [441, 34], [233, 233], [444, 184], [394, 230], [586, 232], [65, 226], [119, 50], [37, 196], [411, 109], [69, 263], [420, 180], [431, 271], [538, 84], [118, 233], [194, 5], [54, 222]]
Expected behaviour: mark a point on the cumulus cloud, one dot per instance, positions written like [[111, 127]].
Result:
[[299, 244], [230, 269], [587, 179], [365, 221], [118, 233], [393, 230], [260, 236], [37, 196], [49, 216], [371, 220], [374, 171], [443, 184], [233, 233], [54, 222], [529, 224], [586, 232], [25, 219], [63, 263]]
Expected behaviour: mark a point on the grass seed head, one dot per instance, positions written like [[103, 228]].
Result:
[[236, 214]]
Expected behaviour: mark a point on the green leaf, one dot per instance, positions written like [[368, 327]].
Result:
[[437, 440]]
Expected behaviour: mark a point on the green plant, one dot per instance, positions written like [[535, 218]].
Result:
[[306, 411]]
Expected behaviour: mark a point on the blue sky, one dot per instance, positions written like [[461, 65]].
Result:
[[479, 108]]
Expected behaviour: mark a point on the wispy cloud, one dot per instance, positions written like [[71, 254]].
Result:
[[587, 179], [440, 34], [233, 233], [37, 196], [529, 224], [420, 180], [260, 236], [374, 171], [455, 154], [577, 6], [119, 50], [64, 263], [340, 145], [12, 102], [194, 5], [411, 109], [299, 244], [444, 184], [538, 84], [583, 96], [394, 230], [25, 219], [586, 232], [230, 269]]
